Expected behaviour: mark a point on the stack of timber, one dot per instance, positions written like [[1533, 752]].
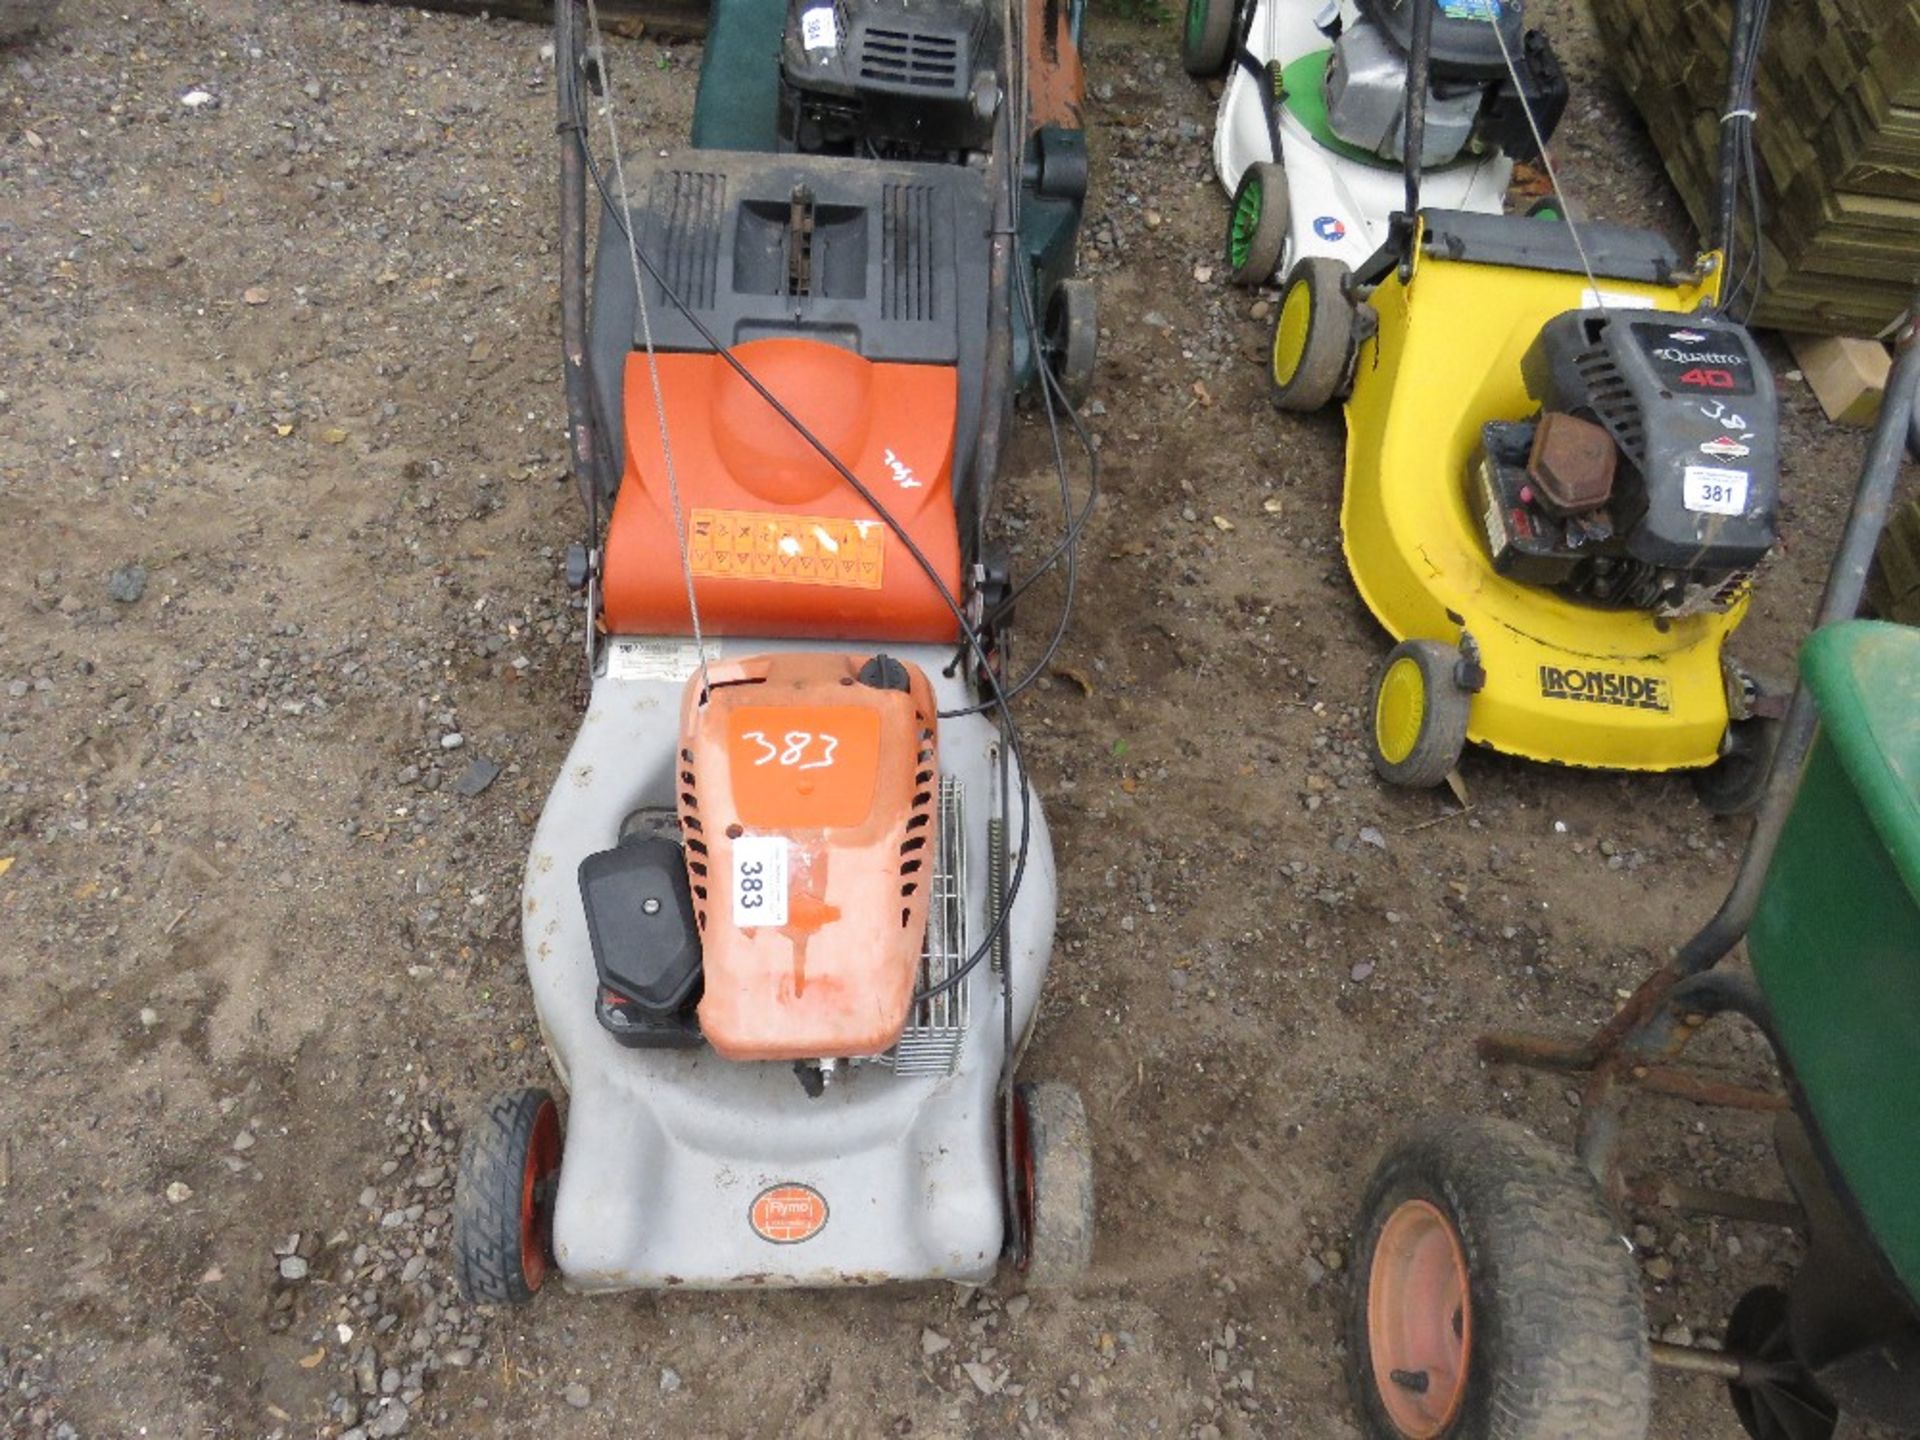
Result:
[[1838, 141]]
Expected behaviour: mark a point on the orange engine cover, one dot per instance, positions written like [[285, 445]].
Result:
[[807, 801], [778, 542]]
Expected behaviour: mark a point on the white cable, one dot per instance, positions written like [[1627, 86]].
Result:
[[646, 333], [1553, 176]]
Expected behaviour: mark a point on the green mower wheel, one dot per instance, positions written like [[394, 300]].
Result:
[[1419, 714], [1492, 1296], [503, 1199], [1257, 225], [1207, 37], [1312, 335], [1893, 584]]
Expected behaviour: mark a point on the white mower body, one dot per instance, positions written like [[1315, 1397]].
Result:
[[677, 1161], [1339, 205]]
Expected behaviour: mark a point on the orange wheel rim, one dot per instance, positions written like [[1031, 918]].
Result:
[[543, 1158], [1419, 1320]]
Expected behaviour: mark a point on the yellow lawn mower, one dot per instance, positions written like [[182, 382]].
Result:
[[1562, 470]]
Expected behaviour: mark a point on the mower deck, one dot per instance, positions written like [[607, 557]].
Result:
[[679, 1163], [1565, 682]]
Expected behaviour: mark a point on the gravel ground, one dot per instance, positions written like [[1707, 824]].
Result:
[[286, 665]]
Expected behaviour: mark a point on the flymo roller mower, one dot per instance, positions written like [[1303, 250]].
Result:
[[791, 901], [1494, 1294], [1561, 472], [1310, 136]]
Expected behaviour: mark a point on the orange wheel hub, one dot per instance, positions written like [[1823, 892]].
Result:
[[543, 1159], [1419, 1320]]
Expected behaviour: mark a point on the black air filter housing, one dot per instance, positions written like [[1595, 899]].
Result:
[[905, 81]]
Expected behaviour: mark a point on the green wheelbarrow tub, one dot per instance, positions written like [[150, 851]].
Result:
[[1835, 941]]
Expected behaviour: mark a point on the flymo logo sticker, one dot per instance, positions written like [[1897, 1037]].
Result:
[[1606, 687], [1328, 227], [788, 1214]]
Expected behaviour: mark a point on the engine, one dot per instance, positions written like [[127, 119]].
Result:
[[1474, 105], [1650, 479], [889, 79]]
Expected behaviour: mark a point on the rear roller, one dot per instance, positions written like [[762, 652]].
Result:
[[1493, 1298]]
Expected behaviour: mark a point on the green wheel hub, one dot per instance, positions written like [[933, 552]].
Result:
[[1246, 220], [1196, 21]]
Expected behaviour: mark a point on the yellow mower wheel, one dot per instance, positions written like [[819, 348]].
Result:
[[1419, 714], [1313, 336]]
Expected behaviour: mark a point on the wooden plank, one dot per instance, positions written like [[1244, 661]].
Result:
[[664, 19]]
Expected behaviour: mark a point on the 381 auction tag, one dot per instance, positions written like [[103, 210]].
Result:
[[1710, 491], [817, 28], [760, 880]]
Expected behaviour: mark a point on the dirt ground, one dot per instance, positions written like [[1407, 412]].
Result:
[[282, 474]]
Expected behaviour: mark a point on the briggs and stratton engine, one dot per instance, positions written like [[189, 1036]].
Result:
[[889, 79], [1650, 480], [1473, 104]]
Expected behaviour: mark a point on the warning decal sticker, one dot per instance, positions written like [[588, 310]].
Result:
[[786, 549]]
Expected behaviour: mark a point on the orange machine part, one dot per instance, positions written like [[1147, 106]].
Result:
[[790, 763], [778, 542], [1056, 82]]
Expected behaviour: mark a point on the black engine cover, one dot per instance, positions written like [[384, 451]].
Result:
[[1465, 46], [901, 80], [1690, 402], [646, 941]]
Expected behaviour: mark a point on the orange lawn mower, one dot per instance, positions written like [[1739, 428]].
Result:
[[791, 902]]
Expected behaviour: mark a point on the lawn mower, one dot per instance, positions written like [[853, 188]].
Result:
[[1494, 1294], [790, 903], [1562, 470], [1310, 137]]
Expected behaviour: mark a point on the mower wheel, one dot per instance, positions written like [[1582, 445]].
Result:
[[1492, 1296], [1419, 714], [503, 1199], [1053, 1184], [1313, 336], [1732, 784], [1072, 344], [1207, 37], [1257, 224], [1893, 584]]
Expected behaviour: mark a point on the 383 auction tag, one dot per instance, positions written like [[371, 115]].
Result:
[[1709, 491], [760, 880]]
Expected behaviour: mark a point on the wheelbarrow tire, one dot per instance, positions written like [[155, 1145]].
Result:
[[1893, 584], [1419, 714], [1206, 38], [1073, 338], [503, 1199], [1540, 1294], [1053, 1180], [1313, 335], [1257, 224]]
